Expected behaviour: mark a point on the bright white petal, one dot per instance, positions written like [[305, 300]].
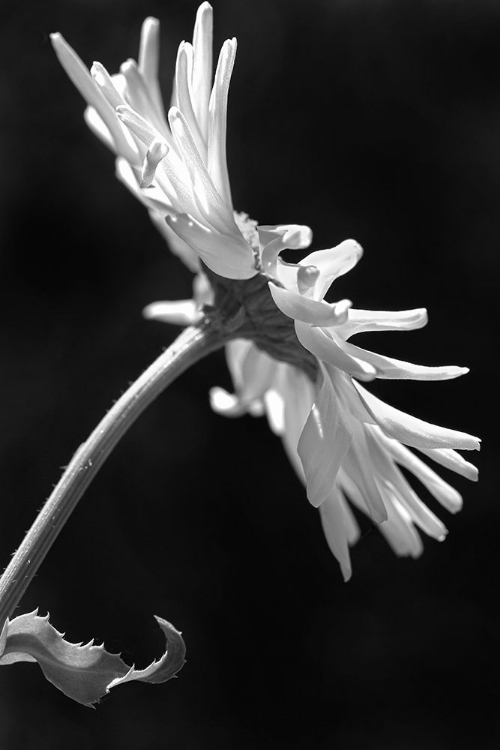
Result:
[[217, 116], [328, 350], [391, 478], [275, 410], [103, 80], [226, 403], [208, 201], [441, 490], [452, 460], [98, 127], [202, 65], [364, 321], [183, 74], [81, 78], [155, 153], [226, 255], [412, 431], [182, 312], [333, 263], [275, 238], [149, 61], [307, 310], [394, 369], [139, 97], [348, 395]]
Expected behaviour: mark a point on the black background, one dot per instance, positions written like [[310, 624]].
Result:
[[376, 119]]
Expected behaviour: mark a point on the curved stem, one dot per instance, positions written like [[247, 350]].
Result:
[[192, 345]]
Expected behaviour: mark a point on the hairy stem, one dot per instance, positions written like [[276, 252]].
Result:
[[192, 345]]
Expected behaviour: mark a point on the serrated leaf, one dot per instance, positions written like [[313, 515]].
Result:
[[83, 672]]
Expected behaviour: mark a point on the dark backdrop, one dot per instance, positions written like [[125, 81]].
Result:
[[374, 119]]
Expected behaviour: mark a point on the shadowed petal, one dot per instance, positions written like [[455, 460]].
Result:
[[323, 443], [333, 519]]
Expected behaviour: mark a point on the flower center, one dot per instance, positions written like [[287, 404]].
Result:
[[245, 309]]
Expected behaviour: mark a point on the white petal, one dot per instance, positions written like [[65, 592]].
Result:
[[202, 65], [171, 175], [153, 197], [359, 467], [328, 350], [97, 126], [333, 263], [103, 80], [348, 395], [181, 312], [441, 490], [227, 256], [176, 244], [298, 393], [393, 369], [236, 352], [140, 98], [361, 321], [275, 410], [276, 238], [155, 153], [351, 525], [217, 117], [412, 431], [81, 78], [185, 103], [209, 202], [307, 310], [226, 403], [323, 443], [306, 278], [334, 526], [452, 460], [258, 372], [391, 478], [149, 61]]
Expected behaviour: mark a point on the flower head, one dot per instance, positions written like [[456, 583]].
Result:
[[346, 444], [289, 351]]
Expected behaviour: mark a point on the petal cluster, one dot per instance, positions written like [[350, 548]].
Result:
[[348, 446], [175, 163]]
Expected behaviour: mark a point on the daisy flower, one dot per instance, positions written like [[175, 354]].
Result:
[[288, 350]]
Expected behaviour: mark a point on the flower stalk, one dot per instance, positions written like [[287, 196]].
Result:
[[193, 344]]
